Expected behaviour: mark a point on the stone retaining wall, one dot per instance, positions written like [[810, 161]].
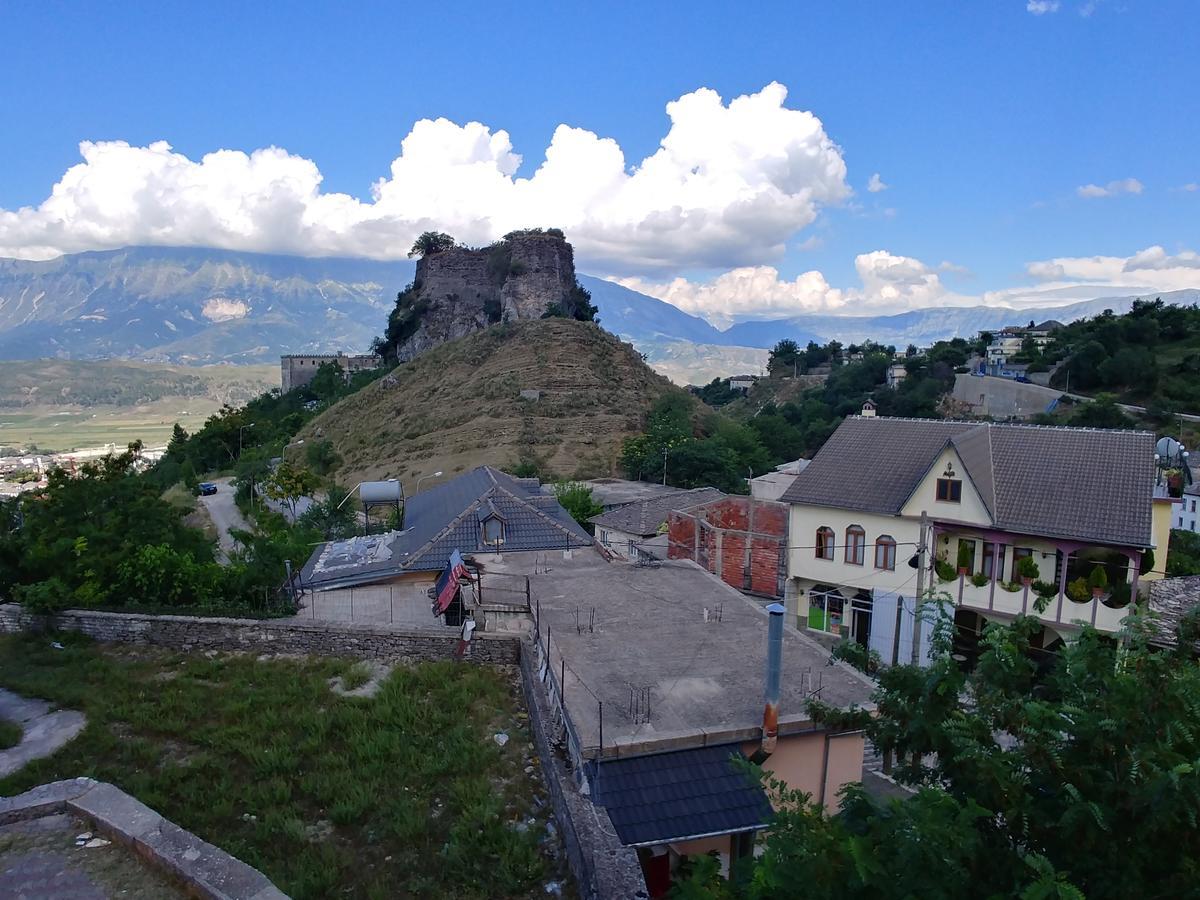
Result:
[[602, 866], [193, 633]]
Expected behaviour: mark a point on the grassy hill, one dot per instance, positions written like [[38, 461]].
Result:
[[459, 405], [70, 404]]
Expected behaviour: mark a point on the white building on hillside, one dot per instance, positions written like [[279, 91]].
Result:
[[1073, 500]]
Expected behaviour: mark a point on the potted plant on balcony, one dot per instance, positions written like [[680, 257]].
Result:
[[964, 558], [944, 572], [1174, 482], [1027, 569], [1098, 581], [1077, 591], [979, 579], [1044, 589]]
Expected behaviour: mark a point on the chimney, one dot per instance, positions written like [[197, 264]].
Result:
[[770, 727]]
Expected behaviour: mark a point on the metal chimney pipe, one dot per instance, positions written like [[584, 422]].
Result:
[[770, 728]]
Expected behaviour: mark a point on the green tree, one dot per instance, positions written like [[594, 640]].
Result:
[[431, 243], [786, 358], [1183, 555], [334, 517], [288, 483], [1066, 776], [321, 457], [576, 498]]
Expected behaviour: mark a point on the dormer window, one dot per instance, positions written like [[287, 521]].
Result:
[[493, 530], [491, 525], [949, 490]]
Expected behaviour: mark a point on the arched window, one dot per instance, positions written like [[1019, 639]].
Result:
[[885, 552], [824, 542], [856, 544]]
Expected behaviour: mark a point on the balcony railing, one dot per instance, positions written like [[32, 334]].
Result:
[[1061, 610], [998, 551]]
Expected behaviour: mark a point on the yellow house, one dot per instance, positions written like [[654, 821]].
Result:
[[1083, 504]]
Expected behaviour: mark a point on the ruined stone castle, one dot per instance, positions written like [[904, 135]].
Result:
[[297, 369]]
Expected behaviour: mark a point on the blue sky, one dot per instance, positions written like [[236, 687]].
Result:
[[984, 120]]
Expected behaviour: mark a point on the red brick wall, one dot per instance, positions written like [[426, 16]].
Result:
[[730, 518]]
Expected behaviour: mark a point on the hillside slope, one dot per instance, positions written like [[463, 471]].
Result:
[[459, 405]]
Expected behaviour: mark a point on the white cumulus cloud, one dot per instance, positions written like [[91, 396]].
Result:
[[1041, 7], [1151, 269], [889, 283], [1121, 186], [875, 184], [729, 185]]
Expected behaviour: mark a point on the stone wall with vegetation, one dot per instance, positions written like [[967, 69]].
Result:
[[192, 633]]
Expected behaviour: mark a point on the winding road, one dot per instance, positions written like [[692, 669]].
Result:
[[225, 515]]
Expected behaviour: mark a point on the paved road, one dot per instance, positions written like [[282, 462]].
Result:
[[1187, 417], [225, 514]]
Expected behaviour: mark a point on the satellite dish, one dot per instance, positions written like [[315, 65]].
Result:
[[1168, 448]]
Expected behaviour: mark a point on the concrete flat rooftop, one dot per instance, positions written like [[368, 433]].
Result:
[[651, 645], [613, 492]]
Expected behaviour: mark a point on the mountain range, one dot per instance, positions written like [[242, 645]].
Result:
[[199, 306]]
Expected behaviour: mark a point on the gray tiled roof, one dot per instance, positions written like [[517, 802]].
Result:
[[1073, 483], [678, 794], [445, 518], [645, 517]]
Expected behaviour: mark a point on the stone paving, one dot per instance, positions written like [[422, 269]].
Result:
[[42, 858], [44, 730]]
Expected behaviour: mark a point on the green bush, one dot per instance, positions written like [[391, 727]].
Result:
[[979, 579], [964, 555], [1044, 589], [1079, 591], [854, 653], [1098, 579], [45, 598], [944, 570], [1027, 568], [1011, 586], [1120, 595]]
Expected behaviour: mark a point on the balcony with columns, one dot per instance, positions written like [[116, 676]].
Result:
[[991, 584]]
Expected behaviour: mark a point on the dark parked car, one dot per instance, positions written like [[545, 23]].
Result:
[[207, 488]]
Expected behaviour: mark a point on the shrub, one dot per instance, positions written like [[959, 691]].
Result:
[[1148, 560], [964, 555], [1044, 589], [1027, 568], [1078, 591], [944, 570], [1098, 579], [1011, 586], [43, 598], [979, 579], [854, 653], [1120, 595]]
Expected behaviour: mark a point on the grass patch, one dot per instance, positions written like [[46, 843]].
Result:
[[403, 795], [10, 734]]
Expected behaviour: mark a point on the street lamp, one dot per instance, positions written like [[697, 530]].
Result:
[[437, 474], [240, 430]]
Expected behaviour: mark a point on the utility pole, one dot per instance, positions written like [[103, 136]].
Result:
[[664, 465], [921, 551]]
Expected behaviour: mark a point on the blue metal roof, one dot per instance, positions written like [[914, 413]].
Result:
[[680, 794]]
